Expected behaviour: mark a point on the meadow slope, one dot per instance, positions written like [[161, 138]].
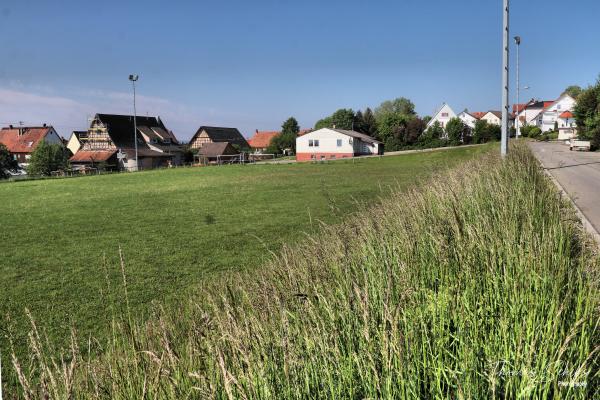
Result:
[[479, 285], [59, 239]]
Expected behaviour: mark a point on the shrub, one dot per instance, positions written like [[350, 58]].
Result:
[[47, 158], [7, 162], [534, 132]]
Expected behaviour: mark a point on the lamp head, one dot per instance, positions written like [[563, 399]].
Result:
[[518, 40], [133, 78]]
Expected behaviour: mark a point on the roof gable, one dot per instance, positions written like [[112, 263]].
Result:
[[217, 149], [24, 139], [444, 108], [262, 139], [120, 128], [222, 134]]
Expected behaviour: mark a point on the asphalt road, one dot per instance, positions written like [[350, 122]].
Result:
[[578, 173]]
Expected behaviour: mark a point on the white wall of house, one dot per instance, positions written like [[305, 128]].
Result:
[[73, 144], [444, 114], [529, 115], [324, 140], [467, 119], [492, 118], [550, 115]]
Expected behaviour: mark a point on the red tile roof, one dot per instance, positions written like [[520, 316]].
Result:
[[478, 114], [566, 114], [24, 143], [548, 103], [261, 140], [92, 156], [517, 108]]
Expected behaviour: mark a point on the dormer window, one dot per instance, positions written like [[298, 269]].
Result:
[[167, 141], [29, 144]]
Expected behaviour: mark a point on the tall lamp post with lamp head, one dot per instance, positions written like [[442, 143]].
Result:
[[505, 70], [133, 79], [518, 43]]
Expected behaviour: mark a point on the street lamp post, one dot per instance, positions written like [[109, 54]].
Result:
[[133, 79], [518, 42], [505, 50]]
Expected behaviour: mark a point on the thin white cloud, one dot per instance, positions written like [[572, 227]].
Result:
[[35, 106]]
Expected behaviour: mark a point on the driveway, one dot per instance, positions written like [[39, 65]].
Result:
[[577, 172]]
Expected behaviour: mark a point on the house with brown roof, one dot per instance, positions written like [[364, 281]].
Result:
[[110, 141], [215, 134], [261, 140], [493, 117], [22, 141], [218, 153]]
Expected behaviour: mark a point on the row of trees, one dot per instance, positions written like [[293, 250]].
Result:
[[397, 125], [587, 114]]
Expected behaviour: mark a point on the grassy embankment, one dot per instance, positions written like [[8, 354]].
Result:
[[480, 285], [59, 239]]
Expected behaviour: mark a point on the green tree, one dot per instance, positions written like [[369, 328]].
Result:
[[341, 119], [47, 157], [290, 127], [369, 123], [432, 136], [398, 106], [359, 122], [587, 114], [481, 132], [455, 130], [286, 139], [574, 91], [391, 126], [324, 123], [7, 162]]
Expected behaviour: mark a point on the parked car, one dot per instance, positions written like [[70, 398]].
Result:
[[580, 145]]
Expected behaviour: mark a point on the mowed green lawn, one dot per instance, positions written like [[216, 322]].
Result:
[[59, 239]]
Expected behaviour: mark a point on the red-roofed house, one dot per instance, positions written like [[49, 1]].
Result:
[[261, 140], [567, 128], [548, 118], [21, 141]]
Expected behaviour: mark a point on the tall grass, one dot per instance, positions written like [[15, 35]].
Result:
[[479, 285]]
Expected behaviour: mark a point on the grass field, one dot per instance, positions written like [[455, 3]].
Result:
[[480, 284], [60, 239]]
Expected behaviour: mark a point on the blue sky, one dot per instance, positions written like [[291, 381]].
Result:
[[252, 64]]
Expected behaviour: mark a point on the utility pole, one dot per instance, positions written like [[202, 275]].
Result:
[[518, 42], [134, 78], [504, 140]]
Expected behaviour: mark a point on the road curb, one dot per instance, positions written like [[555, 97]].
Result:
[[587, 225]]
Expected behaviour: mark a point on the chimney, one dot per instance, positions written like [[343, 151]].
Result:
[[10, 126], [256, 130], [44, 125]]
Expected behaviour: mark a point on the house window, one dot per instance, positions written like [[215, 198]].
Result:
[[445, 115], [27, 156], [322, 157], [313, 157], [316, 143], [339, 143], [310, 143], [332, 156]]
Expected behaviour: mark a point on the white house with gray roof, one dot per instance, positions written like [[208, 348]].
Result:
[[332, 144]]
